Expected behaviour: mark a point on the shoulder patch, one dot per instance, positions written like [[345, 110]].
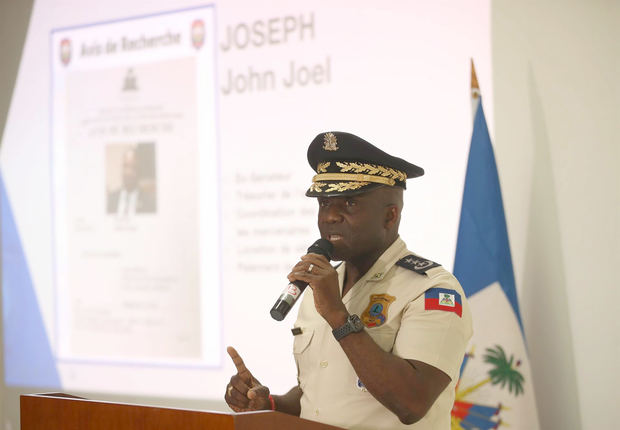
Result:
[[443, 299], [417, 264]]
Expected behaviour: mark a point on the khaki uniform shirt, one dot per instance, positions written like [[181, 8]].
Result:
[[393, 303]]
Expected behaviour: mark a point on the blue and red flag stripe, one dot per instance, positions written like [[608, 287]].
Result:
[[432, 300]]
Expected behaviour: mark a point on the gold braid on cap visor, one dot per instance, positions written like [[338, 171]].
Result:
[[357, 177], [360, 172]]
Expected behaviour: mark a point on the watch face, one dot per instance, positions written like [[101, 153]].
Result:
[[358, 325]]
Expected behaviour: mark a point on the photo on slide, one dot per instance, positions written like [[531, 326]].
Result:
[[131, 183]]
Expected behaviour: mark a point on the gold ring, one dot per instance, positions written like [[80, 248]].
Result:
[[229, 391], [310, 267]]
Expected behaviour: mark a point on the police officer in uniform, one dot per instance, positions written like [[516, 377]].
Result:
[[379, 340]]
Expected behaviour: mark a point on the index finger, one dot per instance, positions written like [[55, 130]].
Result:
[[317, 260], [239, 364]]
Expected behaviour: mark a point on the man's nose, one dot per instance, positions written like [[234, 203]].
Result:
[[333, 214]]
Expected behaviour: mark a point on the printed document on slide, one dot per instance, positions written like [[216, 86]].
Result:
[[135, 187]]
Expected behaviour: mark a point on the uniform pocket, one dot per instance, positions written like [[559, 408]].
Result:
[[302, 340], [301, 353]]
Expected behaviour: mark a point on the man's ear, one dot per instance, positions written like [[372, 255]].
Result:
[[391, 216]]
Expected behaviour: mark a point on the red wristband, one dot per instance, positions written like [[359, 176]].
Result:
[[273, 403]]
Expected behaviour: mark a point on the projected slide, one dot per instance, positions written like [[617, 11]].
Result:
[[132, 102], [174, 136]]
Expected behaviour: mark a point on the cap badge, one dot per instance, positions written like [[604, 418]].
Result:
[[330, 143]]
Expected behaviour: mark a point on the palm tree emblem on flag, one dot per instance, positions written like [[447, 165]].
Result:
[[503, 373]]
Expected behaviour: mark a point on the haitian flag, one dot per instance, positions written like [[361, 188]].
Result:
[[443, 299], [495, 387]]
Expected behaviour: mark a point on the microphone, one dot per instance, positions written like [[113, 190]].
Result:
[[293, 291]]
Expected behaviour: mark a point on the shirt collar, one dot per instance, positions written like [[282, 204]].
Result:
[[377, 271], [395, 252]]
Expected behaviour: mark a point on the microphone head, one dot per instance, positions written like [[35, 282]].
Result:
[[322, 247]]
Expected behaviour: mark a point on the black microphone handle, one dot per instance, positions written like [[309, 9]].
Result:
[[293, 291], [288, 298]]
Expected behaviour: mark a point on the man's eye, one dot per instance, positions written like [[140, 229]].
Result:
[[322, 203], [351, 203]]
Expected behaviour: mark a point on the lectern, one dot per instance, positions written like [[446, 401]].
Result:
[[56, 411]]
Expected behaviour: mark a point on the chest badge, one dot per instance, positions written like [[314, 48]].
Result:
[[376, 312]]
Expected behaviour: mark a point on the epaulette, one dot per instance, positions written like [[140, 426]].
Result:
[[417, 264]]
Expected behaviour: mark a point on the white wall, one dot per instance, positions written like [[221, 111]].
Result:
[[557, 146]]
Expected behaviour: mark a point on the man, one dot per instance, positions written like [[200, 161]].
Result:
[[130, 198], [379, 339]]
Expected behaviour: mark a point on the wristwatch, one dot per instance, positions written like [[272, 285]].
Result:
[[353, 325]]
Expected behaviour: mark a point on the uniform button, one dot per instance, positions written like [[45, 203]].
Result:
[[324, 364]]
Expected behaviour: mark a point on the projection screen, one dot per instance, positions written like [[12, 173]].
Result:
[[207, 110]]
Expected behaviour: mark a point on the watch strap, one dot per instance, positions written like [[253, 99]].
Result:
[[353, 325]]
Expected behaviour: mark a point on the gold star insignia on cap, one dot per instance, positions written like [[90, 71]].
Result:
[[330, 143]]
